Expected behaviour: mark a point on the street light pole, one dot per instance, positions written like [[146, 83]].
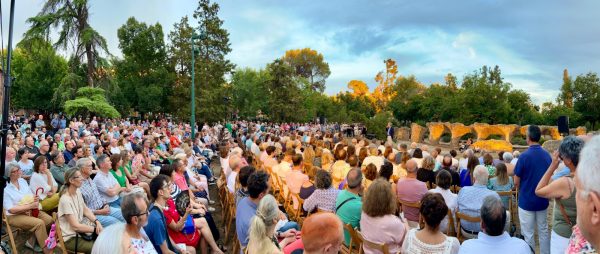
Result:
[[193, 111]]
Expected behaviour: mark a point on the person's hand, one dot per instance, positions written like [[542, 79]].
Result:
[[282, 216], [49, 193], [555, 158], [34, 205], [98, 227], [188, 210], [289, 233], [104, 211]]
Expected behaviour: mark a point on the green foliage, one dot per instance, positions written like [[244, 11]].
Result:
[[143, 74], [377, 124], [283, 93], [37, 70], [180, 60], [211, 64], [72, 18], [90, 101], [309, 64], [247, 87], [551, 112], [586, 97]]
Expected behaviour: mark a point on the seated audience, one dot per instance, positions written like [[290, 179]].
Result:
[[42, 184], [410, 189], [324, 197], [348, 204], [321, 234], [502, 182], [443, 181], [470, 199], [493, 239], [425, 173], [430, 239], [261, 236], [378, 221]]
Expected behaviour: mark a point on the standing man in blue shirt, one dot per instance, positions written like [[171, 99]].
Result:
[[533, 210]]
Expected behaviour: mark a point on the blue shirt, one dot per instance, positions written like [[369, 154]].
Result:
[[495, 244], [470, 199], [531, 167], [246, 209], [157, 229], [465, 178], [563, 172]]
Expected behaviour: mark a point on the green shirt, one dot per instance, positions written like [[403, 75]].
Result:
[[350, 211], [121, 179]]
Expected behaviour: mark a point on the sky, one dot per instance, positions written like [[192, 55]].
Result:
[[532, 41]]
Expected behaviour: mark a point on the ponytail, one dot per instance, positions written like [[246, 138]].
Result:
[[262, 226]]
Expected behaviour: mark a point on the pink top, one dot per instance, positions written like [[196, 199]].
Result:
[[410, 190], [387, 229], [294, 180], [179, 180]]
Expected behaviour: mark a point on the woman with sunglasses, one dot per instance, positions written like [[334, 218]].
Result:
[[74, 216]]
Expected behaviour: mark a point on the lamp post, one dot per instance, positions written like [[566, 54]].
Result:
[[193, 111]]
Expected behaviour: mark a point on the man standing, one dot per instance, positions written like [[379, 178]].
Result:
[[390, 132], [530, 169], [40, 123]]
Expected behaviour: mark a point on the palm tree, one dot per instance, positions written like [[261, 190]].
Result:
[[71, 18]]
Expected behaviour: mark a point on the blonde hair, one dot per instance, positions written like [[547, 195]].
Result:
[[428, 163], [262, 226]]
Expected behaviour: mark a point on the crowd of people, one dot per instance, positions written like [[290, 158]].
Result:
[[297, 188]]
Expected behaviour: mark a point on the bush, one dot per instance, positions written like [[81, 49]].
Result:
[[376, 124], [494, 136], [446, 138], [519, 140]]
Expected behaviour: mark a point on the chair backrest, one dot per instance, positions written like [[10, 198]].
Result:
[[59, 237], [9, 232], [355, 240], [461, 216], [377, 246], [402, 204], [451, 231]]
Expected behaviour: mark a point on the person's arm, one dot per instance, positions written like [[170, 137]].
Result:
[[18, 209], [178, 226], [555, 189], [165, 249], [76, 225], [309, 204], [90, 215]]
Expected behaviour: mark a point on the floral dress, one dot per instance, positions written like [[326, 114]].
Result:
[[578, 244]]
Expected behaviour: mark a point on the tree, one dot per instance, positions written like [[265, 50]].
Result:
[[180, 60], [143, 73], [37, 70], [566, 91], [247, 87], [211, 65], [72, 16], [283, 92], [586, 97], [383, 93], [90, 101], [450, 81], [309, 64], [358, 87]]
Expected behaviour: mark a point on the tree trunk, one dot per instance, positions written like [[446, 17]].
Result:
[[90, 67]]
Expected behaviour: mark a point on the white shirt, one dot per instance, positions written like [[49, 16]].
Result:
[[451, 200], [115, 150], [12, 195], [376, 160], [282, 169], [103, 183], [463, 163], [27, 167], [41, 181], [225, 166], [494, 244], [231, 181]]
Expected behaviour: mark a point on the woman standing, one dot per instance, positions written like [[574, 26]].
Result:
[[42, 180], [563, 191], [74, 216]]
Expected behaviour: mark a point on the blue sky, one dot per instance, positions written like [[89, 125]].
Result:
[[531, 41]]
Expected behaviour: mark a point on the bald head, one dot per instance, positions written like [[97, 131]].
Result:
[[481, 175], [322, 233], [354, 178], [235, 162], [411, 166]]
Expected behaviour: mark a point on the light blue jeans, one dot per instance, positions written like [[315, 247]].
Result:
[[114, 216], [530, 220]]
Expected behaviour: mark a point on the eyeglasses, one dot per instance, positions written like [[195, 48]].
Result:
[[140, 214]]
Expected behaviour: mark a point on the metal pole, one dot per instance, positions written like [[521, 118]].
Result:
[[6, 104], [193, 111]]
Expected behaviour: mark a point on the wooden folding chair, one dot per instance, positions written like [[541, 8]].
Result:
[[417, 205], [231, 215], [60, 243], [10, 231], [451, 231], [377, 246], [355, 240], [295, 214], [461, 216], [509, 195]]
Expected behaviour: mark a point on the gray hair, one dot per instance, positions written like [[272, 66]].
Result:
[[589, 166], [9, 168], [493, 215], [516, 154], [110, 239], [507, 157], [570, 148], [82, 162], [128, 206], [101, 159], [481, 175], [354, 178]]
